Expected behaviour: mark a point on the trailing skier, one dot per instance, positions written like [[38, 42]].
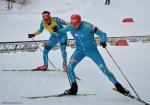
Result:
[[52, 25]]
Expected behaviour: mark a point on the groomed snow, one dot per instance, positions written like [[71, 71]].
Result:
[[133, 59]]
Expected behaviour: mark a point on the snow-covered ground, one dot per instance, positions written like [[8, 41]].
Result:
[[133, 59]]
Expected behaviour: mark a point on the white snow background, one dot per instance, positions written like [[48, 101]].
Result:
[[133, 59]]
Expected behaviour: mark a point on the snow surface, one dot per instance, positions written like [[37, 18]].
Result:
[[134, 59]]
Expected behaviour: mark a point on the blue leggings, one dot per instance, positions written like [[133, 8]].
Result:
[[53, 40], [96, 57]]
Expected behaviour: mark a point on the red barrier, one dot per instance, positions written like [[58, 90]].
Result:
[[121, 43], [126, 20]]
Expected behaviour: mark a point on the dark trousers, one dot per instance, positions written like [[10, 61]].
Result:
[[107, 2]]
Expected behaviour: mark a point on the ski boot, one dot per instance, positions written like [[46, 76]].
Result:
[[65, 66], [73, 90], [121, 89], [41, 68]]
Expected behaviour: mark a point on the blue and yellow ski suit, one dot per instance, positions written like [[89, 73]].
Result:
[[86, 46], [54, 38]]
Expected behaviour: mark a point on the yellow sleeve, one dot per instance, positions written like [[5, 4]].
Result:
[[37, 32]]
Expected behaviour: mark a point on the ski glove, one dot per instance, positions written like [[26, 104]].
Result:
[[31, 35], [103, 44], [55, 29]]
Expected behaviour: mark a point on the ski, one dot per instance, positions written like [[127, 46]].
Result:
[[133, 97], [59, 95], [24, 70], [33, 70]]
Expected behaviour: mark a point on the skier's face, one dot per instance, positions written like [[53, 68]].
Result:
[[46, 17], [77, 26], [75, 23], [47, 21]]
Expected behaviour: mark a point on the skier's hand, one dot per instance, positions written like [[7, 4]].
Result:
[[55, 29], [65, 66], [31, 35], [103, 44]]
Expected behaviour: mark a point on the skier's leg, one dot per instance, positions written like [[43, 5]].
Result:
[[45, 54], [63, 51], [48, 46], [64, 54], [74, 60], [108, 2], [45, 59], [63, 44], [97, 58]]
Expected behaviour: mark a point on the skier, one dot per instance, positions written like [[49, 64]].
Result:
[[83, 33], [107, 2], [52, 25]]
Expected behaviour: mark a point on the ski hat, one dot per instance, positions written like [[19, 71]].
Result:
[[75, 19], [46, 15]]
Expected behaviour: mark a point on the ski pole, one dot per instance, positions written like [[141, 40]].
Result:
[[122, 73], [42, 51]]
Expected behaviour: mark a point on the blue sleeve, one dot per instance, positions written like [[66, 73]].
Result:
[[98, 32], [102, 35], [64, 30], [41, 27], [60, 21]]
